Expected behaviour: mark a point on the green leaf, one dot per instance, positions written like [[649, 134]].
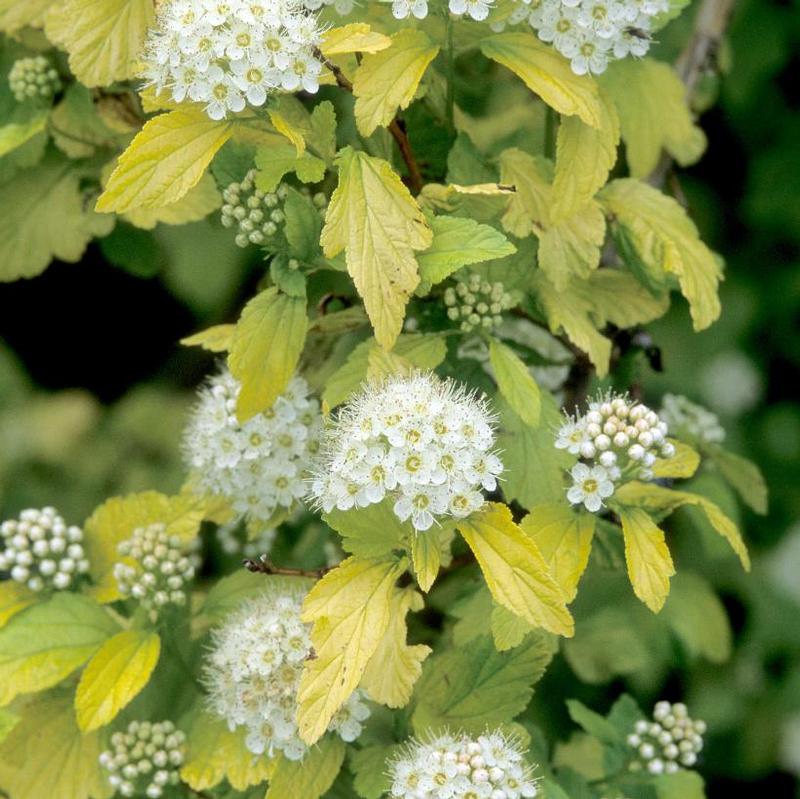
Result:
[[661, 234], [594, 724], [267, 343], [228, 593], [646, 553], [459, 242], [15, 134], [374, 219], [303, 225], [743, 475], [548, 74], [310, 777], [529, 206], [514, 569], [370, 766], [681, 785], [14, 597], [45, 643], [387, 80], [322, 137], [515, 382], [274, 161], [508, 629], [477, 688], [117, 672], [369, 532], [350, 608]]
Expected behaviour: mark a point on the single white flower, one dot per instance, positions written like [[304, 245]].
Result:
[[591, 485]]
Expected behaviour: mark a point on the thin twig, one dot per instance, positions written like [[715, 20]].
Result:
[[264, 566]]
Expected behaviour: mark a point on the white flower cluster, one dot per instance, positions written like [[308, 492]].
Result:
[[156, 570], [671, 741], [258, 215], [591, 33], [253, 673], [145, 759], [477, 303], [234, 542], [424, 442], [342, 7], [685, 416], [621, 438], [258, 466], [458, 767], [231, 53], [33, 78], [40, 551], [475, 9]]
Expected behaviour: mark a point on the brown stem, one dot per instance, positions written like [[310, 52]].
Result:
[[264, 566]]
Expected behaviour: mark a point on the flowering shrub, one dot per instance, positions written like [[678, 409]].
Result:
[[426, 430]]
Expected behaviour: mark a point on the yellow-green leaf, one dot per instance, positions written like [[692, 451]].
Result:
[[104, 38], [114, 676], [548, 74], [654, 114], [15, 134], [16, 14], [515, 382], [275, 161], [744, 476], [43, 644], [387, 80], [217, 338], [374, 219], [267, 343], [369, 532], [351, 611], [565, 540], [425, 556], [14, 597], [195, 205], [646, 553], [357, 37], [514, 569], [664, 237], [214, 753], [584, 157], [681, 465], [394, 668], [529, 205], [310, 777], [166, 159]]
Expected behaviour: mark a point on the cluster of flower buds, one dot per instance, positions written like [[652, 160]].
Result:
[[33, 79], [458, 767], [145, 759], [477, 303], [668, 743], [155, 570], [620, 438], [260, 216], [40, 551], [692, 420]]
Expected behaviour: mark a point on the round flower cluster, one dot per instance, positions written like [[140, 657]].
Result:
[[670, 741], [33, 78], [145, 759], [621, 438], [259, 216], [477, 303], [694, 420], [230, 53], [233, 543], [258, 466], [155, 571], [590, 33], [458, 767], [475, 9], [253, 673], [424, 442], [39, 550]]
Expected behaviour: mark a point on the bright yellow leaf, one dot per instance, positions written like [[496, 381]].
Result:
[[217, 338], [357, 37], [114, 676], [515, 382]]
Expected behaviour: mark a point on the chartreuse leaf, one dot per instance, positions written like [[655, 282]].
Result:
[[743, 475], [387, 80], [659, 499], [44, 218], [116, 519], [217, 338], [15, 134], [515, 382], [14, 597], [661, 235], [654, 114], [310, 777], [514, 569], [508, 629], [267, 343], [214, 753], [548, 74], [529, 206], [394, 668], [584, 157], [682, 465], [8, 721], [565, 540], [479, 687], [195, 205], [374, 219], [114, 676], [15, 15], [458, 242], [46, 755], [104, 38], [45, 643], [357, 37], [681, 785], [646, 553], [351, 610], [371, 531], [166, 159], [275, 161]]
